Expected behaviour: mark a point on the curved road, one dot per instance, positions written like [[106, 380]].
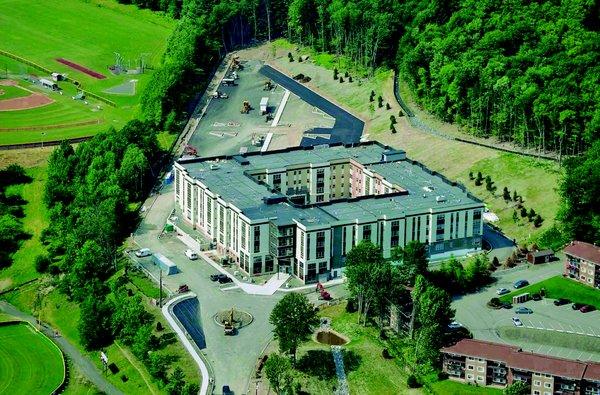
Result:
[[82, 362]]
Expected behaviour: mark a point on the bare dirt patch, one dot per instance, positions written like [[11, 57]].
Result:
[[25, 103], [30, 157]]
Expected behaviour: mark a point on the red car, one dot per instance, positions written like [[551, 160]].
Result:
[[587, 308]]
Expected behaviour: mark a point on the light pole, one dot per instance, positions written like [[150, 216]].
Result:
[[43, 134]]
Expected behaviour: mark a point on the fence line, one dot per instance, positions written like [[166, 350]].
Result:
[[43, 144]]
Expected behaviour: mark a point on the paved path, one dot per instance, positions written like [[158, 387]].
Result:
[[338, 359], [347, 128], [82, 362]]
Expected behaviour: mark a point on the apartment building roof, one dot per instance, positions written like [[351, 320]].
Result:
[[481, 349], [515, 358], [422, 189], [583, 250], [547, 364], [592, 372]]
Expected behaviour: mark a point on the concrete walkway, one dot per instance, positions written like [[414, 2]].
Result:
[[83, 363]]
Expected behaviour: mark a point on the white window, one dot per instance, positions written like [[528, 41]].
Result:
[[470, 367], [547, 393], [480, 369], [536, 392], [548, 385], [480, 378], [537, 383]]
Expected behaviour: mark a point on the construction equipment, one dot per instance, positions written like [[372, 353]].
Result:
[[269, 85], [220, 95], [245, 107], [190, 150], [228, 325]]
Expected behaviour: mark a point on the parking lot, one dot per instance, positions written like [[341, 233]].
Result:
[[489, 324]]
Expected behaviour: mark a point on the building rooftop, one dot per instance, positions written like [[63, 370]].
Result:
[[583, 250], [516, 358], [228, 177]]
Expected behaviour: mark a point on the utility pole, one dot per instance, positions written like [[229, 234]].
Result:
[[160, 288]]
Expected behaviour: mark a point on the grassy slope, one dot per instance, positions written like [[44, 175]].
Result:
[[534, 179], [34, 222], [29, 362], [560, 287]]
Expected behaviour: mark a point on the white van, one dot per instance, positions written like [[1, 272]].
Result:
[[143, 252], [191, 255]]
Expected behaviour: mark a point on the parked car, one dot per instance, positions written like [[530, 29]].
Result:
[[506, 305], [455, 325], [214, 277], [227, 390], [577, 306], [536, 297], [502, 291], [520, 284], [587, 308], [183, 288], [192, 256], [561, 301], [523, 310], [224, 279], [143, 252], [517, 321]]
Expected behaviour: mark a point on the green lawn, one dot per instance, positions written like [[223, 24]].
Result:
[[87, 32], [449, 387], [560, 287], [374, 374], [29, 362], [559, 339], [12, 92], [35, 221]]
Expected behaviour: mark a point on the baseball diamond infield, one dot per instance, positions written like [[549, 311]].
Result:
[[24, 103]]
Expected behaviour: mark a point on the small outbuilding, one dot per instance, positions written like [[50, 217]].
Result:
[[544, 256], [49, 84]]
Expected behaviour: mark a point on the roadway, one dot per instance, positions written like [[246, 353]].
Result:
[[347, 128]]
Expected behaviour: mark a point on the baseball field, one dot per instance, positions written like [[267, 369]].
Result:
[[29, 362], [84, 40]]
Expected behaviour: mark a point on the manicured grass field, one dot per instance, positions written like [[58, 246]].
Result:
[[88, 33], [12, 92], [29, 362], [560, 287], [449, 387]]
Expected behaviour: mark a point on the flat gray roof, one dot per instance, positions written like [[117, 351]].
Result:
[[225, 176]]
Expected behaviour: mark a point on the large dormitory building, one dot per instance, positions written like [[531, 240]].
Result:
[[301, 210]]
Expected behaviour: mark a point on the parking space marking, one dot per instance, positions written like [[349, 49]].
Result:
[[550, 349]]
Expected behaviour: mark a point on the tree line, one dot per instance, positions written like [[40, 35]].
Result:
[[12, 233]]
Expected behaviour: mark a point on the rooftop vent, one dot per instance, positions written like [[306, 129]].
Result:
[[428, 189], [214, 167], [440, 198]]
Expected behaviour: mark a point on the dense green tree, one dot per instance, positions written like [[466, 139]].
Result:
[[279, 372], [293, 318], [517, 388], [580, 194], [412, 260], [176, 382], [94, 323]]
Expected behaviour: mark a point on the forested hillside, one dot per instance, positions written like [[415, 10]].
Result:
[[522, 71]]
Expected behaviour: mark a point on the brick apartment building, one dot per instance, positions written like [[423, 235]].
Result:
[[484, 363], [583, 263]]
